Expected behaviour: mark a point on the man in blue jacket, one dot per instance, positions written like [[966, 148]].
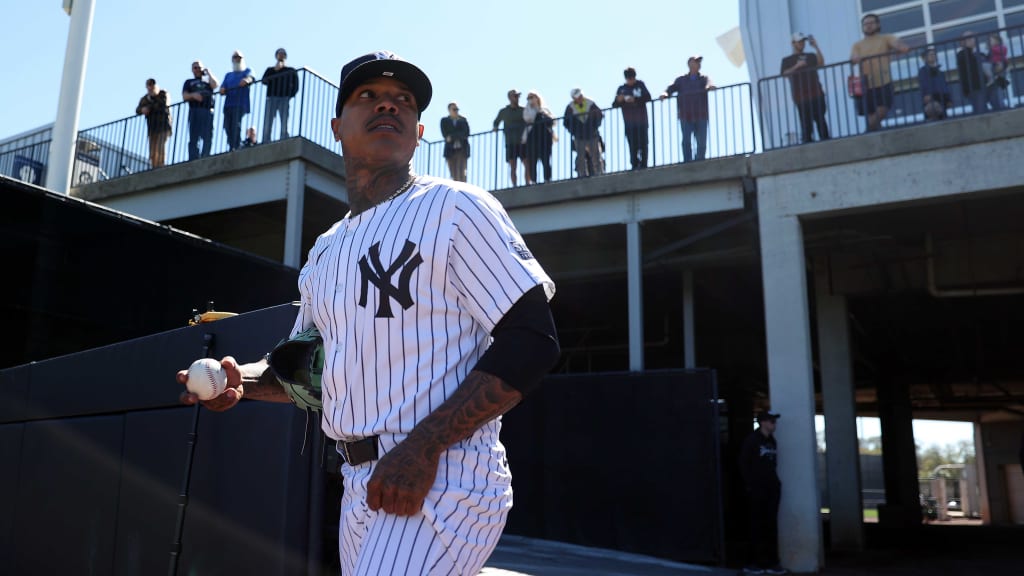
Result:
[[235, 88]]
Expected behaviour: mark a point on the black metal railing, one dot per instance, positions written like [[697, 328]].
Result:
[[730, 133], [781, 124], [121, 147]]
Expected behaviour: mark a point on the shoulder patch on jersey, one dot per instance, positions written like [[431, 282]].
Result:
[[521, 249]]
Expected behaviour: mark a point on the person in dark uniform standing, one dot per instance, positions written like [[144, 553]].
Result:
[[757, 467]]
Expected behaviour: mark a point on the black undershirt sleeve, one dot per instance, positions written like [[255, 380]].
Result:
[[525, 346]]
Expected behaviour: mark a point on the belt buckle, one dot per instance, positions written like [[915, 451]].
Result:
[[343, 450]]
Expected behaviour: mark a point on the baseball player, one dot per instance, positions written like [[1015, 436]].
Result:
[[435, 321]]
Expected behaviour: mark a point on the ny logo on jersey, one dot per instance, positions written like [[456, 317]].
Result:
[[381, 278]]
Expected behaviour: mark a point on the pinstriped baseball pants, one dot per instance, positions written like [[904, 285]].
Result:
[[455, 532]]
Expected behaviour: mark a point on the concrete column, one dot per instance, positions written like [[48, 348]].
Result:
[[295, 197], [787, 328], [689, 338], [635, 291], [982, 473], [902, 509], [843, 453], [65, 126]]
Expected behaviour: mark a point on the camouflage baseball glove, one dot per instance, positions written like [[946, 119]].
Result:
[[298, 364]]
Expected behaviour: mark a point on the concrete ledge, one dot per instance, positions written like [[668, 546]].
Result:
[[660, 178], [212, 166], [951, 133]]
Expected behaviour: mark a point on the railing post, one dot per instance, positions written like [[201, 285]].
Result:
[[120, 157], [302, 100], [654, 134]]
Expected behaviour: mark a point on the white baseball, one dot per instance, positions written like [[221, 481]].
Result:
[[206, 379]]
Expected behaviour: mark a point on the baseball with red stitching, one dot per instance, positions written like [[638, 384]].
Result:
[[206, 379]]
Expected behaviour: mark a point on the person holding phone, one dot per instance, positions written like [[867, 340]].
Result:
[[809, 98], [198, 92]]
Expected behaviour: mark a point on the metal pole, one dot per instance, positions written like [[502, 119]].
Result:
[[69, 103], [193, 437]]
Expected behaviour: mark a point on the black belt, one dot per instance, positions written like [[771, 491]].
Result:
[[359, 451]]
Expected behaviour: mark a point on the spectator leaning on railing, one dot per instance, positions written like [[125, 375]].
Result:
[[809, 98], [633, 97], [153, 105], [692, 106], [873, 54], [282, 82]]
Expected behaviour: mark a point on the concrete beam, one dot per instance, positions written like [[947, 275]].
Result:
[[648, 205], [260, 185]]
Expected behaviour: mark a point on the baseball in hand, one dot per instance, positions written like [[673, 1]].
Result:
[[206, 379]]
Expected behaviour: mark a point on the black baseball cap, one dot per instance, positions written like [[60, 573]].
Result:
[[387, 64], [767, 415]]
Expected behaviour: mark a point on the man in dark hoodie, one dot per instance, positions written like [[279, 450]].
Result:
[[633, 97], [757, 467]]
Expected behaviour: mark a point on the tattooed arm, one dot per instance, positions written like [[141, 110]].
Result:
[[404, 475], [255, 381]]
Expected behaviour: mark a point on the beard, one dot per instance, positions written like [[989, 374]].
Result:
[[238, 65]]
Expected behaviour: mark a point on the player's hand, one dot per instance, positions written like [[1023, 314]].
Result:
[[401, 480], [225, 401]]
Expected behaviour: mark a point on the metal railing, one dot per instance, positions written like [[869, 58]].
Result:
[[781, 124], [730, 133], [121, 147]]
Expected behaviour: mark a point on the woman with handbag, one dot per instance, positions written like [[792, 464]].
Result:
[[455, 130], [153, 105], [538, 137]]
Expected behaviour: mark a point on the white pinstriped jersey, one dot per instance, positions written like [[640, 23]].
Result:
[[405, 296]]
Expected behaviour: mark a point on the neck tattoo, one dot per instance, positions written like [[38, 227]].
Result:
[[396, 193]]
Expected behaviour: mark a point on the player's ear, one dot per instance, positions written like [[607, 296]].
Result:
[[336, 129], [419, 133]]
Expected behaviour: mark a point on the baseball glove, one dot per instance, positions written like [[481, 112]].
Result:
[[298, 364]]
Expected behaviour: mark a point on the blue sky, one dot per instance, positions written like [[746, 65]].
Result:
[[473, 50]]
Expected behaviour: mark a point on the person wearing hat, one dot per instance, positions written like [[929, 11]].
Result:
[[282, 82], [198, 92], [434, 319], [512, 117], [455, 131], [757, 462], [692, 107], [632, 97], [582, 119], [235, 90], [805, 88]]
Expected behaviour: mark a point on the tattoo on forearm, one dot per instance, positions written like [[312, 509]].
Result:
[[259, 383], [480, 399]]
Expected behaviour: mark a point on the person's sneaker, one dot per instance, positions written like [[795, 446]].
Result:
[[776, 570], [753, 570]]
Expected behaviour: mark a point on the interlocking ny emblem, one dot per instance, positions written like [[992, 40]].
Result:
[[381, 278]]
